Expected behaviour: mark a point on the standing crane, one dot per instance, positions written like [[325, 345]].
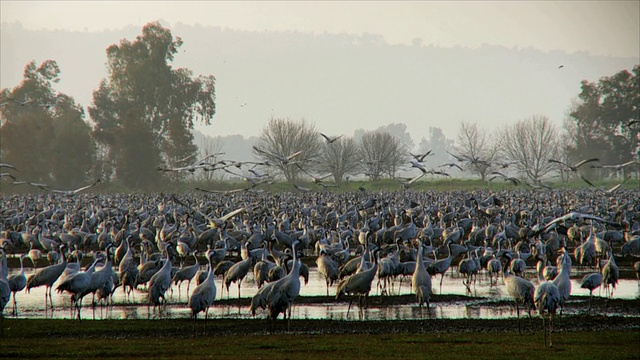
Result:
[[203, 296], [186, 273], [591, 282], [358, 283], [421, 281], [286, 290], [128, 272], [160, 282], [47, 276], [610, 275], [563, 280], [76, 284], [441, 266], [17, 282], [328, 268], [520, 289], [237, 273], [5, 290], [547, 299]]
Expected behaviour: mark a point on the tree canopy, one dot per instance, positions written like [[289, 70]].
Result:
[[167, 101], [43, 132], [603, 116]]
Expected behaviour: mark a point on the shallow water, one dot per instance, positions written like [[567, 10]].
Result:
[[32, 305]]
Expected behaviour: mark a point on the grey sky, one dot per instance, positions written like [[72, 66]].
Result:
[[603, 28], [606, 28]]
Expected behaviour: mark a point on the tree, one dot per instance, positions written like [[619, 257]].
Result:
[[381, 154], [137, 154], [42, 132], [602, 117], [210, 148], [529, 144], [474, 145], [340, 158], [167, 101], [438, 144], [281, 138]]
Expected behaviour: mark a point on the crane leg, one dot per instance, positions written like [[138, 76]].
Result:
[[518, 315], [544, 329]]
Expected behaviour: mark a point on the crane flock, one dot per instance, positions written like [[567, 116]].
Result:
[[353, 238]]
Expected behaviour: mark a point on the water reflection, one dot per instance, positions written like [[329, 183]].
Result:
[[32, 305]]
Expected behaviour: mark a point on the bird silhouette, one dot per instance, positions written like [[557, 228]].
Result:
[[75, 191], [330, 140], [573, 167]]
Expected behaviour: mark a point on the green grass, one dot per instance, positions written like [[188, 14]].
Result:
[[173, 339]]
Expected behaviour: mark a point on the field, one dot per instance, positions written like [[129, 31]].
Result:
[[577, 337]]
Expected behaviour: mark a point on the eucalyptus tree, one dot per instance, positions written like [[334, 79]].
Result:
[[43, 132], [166, 100], [606, 118]]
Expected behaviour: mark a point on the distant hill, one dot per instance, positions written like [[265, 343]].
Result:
[[340, 82]]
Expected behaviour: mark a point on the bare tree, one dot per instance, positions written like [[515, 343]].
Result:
[[475, 147], [340, 158], [284, 142], [529, 144], [211, 149], [381, 154]]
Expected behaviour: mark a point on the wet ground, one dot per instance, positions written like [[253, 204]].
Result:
[[451, 302]]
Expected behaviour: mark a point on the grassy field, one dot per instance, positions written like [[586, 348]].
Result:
[[321, 339]]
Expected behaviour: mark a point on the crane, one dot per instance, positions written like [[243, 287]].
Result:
[[278, 296], [237, 273], [441, 266], [358, 283], [186, 273], [591, 282], [547, 299], [610, 275], [203, 296], [17, 282], [76, 284], [128, 271], [47, 276], [421, 281], [563, 280], [520, 289], [160, 282], [328, 268]]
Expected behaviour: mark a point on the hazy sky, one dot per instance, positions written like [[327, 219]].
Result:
[[603, 28]]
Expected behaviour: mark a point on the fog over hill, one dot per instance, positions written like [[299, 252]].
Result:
[[342, 82]]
